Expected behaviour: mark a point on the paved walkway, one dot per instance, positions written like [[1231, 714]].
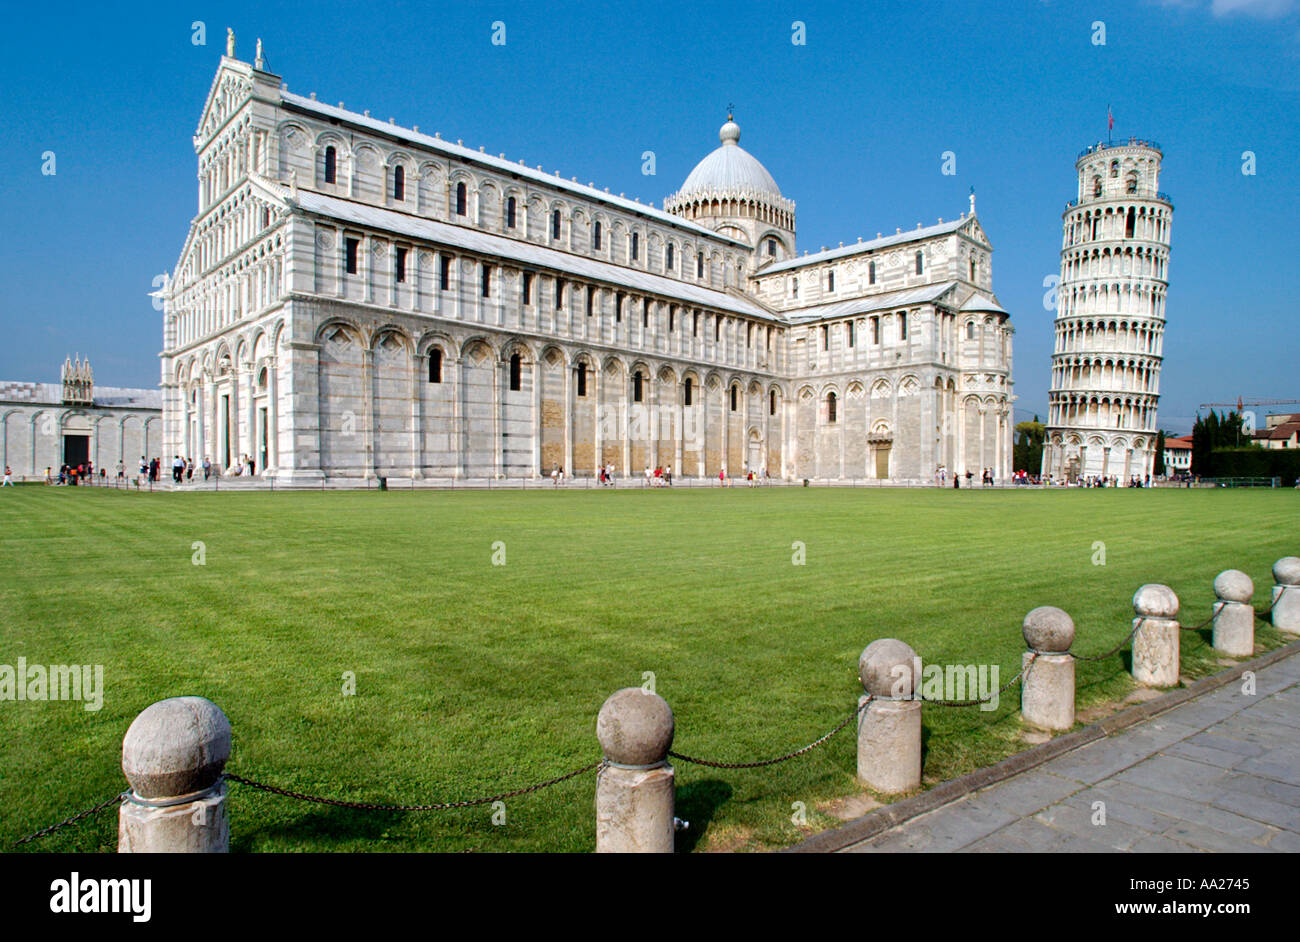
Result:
[[1218, 773]]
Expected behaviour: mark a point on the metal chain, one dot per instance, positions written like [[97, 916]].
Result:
[[115, 800], [440, 806], [1263, 616], [1218, 607], [1024, 673], [789, 755], [1113, 651]]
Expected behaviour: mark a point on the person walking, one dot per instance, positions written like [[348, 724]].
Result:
[[207, 467], [9, 477]]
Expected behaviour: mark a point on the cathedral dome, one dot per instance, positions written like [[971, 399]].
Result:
[[729, 169]]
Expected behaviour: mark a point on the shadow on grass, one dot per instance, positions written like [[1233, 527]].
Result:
[[698, 803], [324, 827]]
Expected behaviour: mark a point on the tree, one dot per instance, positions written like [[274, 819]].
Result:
[[1027, 454], [1159, 467], [1214, 431]]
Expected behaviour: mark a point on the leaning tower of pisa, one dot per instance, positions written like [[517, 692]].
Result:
[[1110, 317]]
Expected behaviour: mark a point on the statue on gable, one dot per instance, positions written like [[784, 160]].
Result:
[[230, 42]]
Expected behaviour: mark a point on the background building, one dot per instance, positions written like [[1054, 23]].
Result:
[[358, 299], [1281, 430], [1110, 316], [46, 425]]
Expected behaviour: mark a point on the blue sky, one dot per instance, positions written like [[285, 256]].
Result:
[[852, 125]]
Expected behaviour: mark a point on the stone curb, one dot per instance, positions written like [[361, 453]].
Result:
[[882, 819]]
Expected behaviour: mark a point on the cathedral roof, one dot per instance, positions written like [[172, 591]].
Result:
[[729, 169], [982, 302], [911, 235], [879, 302]]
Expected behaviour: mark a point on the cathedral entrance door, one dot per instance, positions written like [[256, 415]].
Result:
[[882, 462], [76, 449], [755, 458]]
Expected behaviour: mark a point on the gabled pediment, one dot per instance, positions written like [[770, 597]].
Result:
[[231, 87], [974, 230]]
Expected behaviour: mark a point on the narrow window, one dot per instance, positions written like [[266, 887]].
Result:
[[830, 281], [920, 262], [771, 248], [399, 183], [699, 265], [717, 329], [1130, 223], [618, 308], [695, 324], [350, 247], [596, 236], [826, 336], [875, 330], [591, 300], [555, 224], [645, 313], [435, 365], [559, 294], [1132, 186], [444, 272], [331, 165], [510, 213], [852, 333], [515, 372], [668, 264], [771, 402], [401, 264], [1114, 168], [970, 330], [636, 246], [972, 269], [749, 334], [1096, 186], [460, 199], [582, 379], [485, 288], [830, 407], [794, 287], [871, 273], [686, 393], [902, 326], [672, 316], [528, 287], [733, 398], [636, 387]]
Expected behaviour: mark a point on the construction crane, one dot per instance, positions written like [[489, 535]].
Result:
[[1242, 403]]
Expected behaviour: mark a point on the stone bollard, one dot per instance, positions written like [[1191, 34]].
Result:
[[1234, 614], [635, 789], [1047, 689], [1285, 614], [173, 755], [889, 729], [1155, 645]]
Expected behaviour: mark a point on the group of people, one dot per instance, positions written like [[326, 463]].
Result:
[[659, 477], [941, 477]]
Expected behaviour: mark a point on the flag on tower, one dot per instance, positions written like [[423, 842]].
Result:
[[1110, 119]]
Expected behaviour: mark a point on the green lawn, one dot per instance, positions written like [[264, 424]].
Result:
[[474, 678]]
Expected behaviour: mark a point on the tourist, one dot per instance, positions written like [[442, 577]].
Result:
[[9, 477], [207, 467], [48, 479], [189, 469], [178, 467], [121, 470], [668, 475], [555, 475]]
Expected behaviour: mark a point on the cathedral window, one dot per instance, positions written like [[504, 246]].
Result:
[[399, 183], [636, 246], [699, 265], [435, 365], [510, 213], [645, 313], [920, 262], [717, 329], [771, 248], [749, 334], [485, 285], [461, 198], [771, 402], [875, 330], [636, 387], [350, 254], [830, 281], [444, 272], [830, 408], [826, 336], [596, 236], [582, 379], [794, 287], [672, 316], [618, 308], [733, 398], [515, 372], [401, 264], [668, 264], [695, 324], [871, 273], [591, 300], [972, 269], [970, 330], [559, 294], [555, 224], [528, 287], [902, 326], [331, 165], [686, 392], [851, 332]]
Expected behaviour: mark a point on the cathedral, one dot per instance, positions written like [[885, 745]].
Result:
[[356, 300]]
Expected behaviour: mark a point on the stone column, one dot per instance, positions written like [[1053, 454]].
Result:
[[370, 457], [1234, 614], [889, 729], [173, 756], [419, 374], [635, 789], [1047, 689], [1155, 646], [1286, 595]]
